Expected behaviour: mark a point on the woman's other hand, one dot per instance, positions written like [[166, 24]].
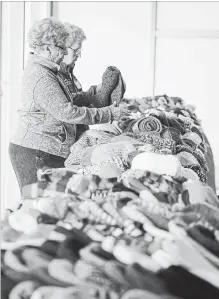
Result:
[[119, 113]]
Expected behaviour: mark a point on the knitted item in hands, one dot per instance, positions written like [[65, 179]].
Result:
[[118, 92], [112, 88]]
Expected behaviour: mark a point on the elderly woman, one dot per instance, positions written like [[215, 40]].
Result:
[[74, 43], [48, 117]]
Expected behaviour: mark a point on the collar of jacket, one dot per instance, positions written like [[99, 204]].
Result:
[[34, 58], [64, 68]]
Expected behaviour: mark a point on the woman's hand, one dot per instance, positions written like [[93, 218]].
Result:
[[119, 113]]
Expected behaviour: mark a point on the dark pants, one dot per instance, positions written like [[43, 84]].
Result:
[[27, 161]]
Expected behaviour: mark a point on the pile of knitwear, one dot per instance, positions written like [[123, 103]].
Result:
[[161, 125], [132, 216], [140, 235]]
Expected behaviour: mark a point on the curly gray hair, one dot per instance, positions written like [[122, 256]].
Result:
[[76, 34], [48, 31]]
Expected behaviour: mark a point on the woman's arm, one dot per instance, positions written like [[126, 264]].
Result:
[[90, 98], [85, 98], [49, 95]]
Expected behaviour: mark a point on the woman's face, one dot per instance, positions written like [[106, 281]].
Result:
[[73, 53], [57, 53]]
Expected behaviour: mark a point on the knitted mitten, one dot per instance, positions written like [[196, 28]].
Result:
[[109, 82], [118, 93]]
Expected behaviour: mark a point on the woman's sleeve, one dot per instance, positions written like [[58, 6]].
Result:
[[49, 95], [85, 98]]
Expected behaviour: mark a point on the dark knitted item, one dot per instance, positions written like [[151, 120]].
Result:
[[112, 89], [180, 282], [6, 286], [205, 237], [141, 278], [118, 92], [69, 249], [50, 247]]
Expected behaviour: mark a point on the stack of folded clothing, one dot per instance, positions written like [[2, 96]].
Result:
[[140, 235]]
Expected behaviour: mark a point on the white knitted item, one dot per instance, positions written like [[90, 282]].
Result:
[[188, 174], [157, 163]]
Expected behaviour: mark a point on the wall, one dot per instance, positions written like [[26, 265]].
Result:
[[187, 61], [160, 47], [118, 33]]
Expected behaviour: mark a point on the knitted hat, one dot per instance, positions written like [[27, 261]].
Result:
[[112, 88]]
